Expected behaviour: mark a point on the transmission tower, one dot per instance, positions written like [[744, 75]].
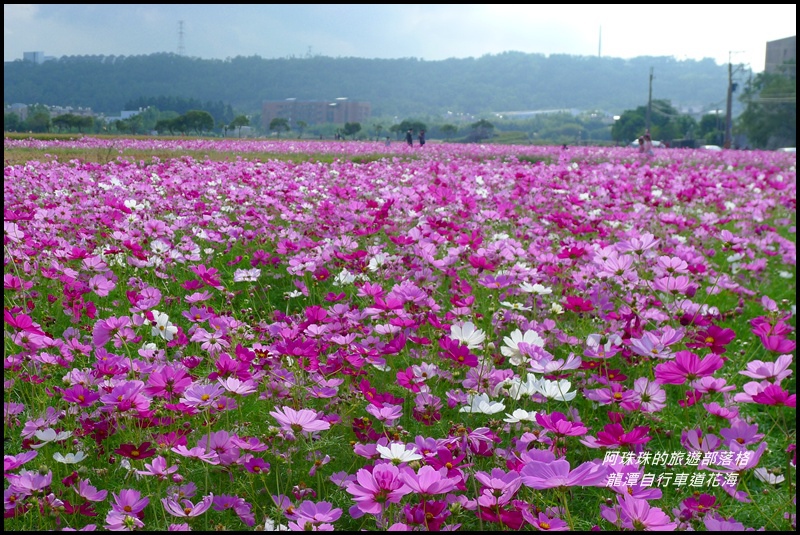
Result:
[[180, 38]]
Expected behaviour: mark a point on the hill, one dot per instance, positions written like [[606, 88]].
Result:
[[511, 81]]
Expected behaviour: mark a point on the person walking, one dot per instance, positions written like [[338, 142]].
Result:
[[410, 137], [421, 138]]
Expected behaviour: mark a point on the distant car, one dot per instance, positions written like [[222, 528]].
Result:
[[656, 144], [711, 147], [788, 149]]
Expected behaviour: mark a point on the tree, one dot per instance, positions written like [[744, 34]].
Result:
[[665, 122], [412, 124], [279, 124], [481, 130], [351, 129], [11, 122], [301, 127], [448, 130], [238, 122], [38, 118], [711, 129], [378, 128], [199, 120], [770, 116], [163, 125]]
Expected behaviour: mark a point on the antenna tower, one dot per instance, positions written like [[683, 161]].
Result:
[[180, 38]]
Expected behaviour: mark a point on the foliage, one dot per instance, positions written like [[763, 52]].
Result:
[[448, 130], [238, 122], [770, 117], [665, 123], [278, 125], [471, 86], [351, 129], [479, 131]]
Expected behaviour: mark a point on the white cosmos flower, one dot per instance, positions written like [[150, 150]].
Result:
[[514, 306], [162, 327], [246, 275], [555, 308], [344, 278], [520, 415], [398, 453], [557, 390], [50, 435], [535, 289], [69, 458], [511, 347], [517, 389], [481, 403], [762, 474], [466, 333]]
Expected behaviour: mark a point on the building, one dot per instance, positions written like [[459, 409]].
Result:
[[338, 111], [36, 57], [779, 52]]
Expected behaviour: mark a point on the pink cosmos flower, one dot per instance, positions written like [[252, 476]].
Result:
[[308, 512], [373, 489], [646, 396], [304, 420], [711, 385], [718, 410], [186, 509], [542, 475], [429, 481], [158, 468], [716, 522], [774, 372], [687, 366], [741, 432], [101, 285], [129, 502], [200, 395], [499, 487], [638, 515]]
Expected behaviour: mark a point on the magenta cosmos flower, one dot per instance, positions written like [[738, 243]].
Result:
[[372, 490], [687, 367], [558, 424], [304, 420]]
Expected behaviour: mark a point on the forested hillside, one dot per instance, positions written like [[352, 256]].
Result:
[[511, 81]]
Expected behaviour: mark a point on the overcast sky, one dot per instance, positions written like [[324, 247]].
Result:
[[430, 32]]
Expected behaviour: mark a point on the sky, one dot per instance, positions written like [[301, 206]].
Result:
[[738, 33]]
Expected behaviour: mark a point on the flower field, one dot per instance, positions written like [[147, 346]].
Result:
[[307, 335]]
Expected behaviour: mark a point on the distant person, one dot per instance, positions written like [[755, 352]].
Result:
[[421, 138], [388, 141], [648, 145], [641, 144], [410, 137]]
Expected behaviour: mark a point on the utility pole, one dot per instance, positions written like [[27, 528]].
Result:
[[649, 103], [728, 107], [181, 49], [729, 104]]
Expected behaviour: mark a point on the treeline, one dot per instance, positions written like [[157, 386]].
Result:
[[511, 81]]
